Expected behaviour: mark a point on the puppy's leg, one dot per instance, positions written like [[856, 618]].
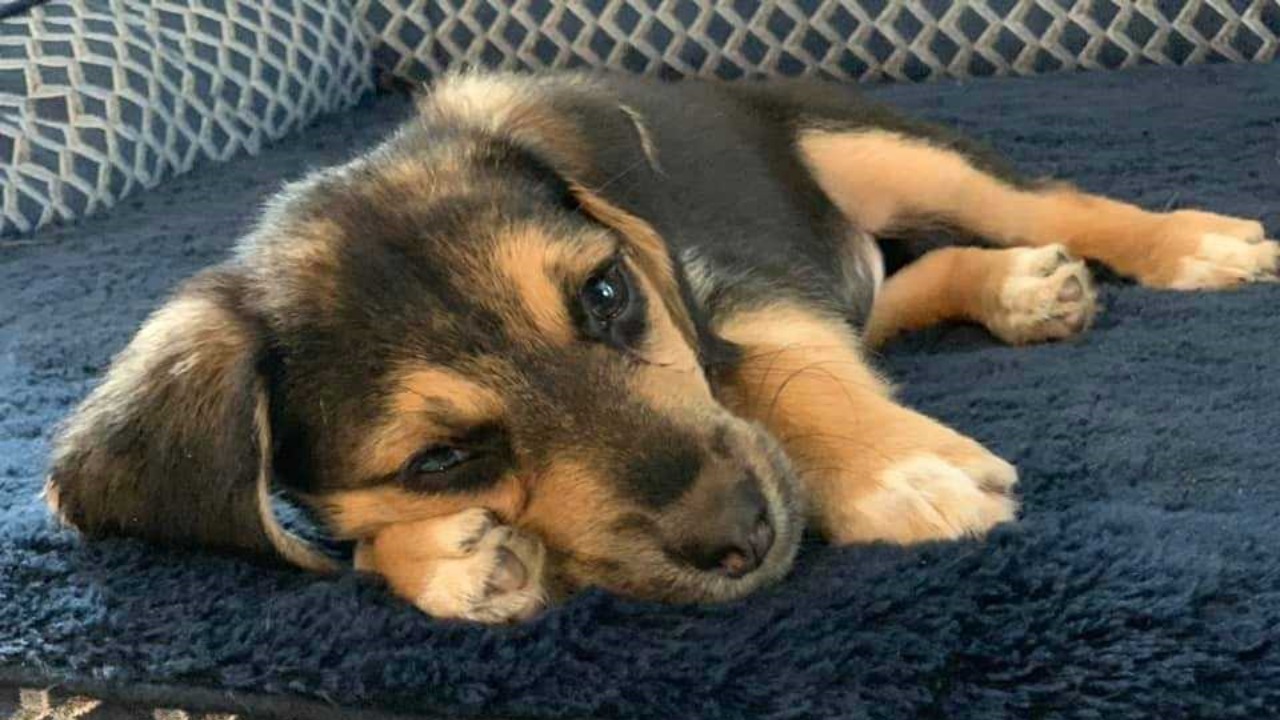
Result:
[[466, 566], [889, 181], [873, 469], [1021, 295]]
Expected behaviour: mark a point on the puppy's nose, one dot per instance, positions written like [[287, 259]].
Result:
[[743, 557], [735, 536]]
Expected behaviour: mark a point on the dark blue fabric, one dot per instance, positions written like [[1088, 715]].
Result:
[[1143, 580]]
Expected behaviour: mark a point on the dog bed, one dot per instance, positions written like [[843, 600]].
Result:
[[1143, 579]]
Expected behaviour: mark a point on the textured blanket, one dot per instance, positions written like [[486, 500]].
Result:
[[1143, 579]]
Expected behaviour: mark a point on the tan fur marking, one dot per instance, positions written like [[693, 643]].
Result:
[[537, 267], [1020, 294], [366, 512], [887, 181], [667, 350], [882, 178], [572, 505], [566, 503], [426, 387], [410, 425], [941, 286], [802, 377], [927, 497]]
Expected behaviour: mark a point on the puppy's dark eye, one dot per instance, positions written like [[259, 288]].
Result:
[[438, 459], [606, 294]]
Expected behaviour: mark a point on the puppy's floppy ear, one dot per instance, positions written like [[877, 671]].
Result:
[[174, 445]]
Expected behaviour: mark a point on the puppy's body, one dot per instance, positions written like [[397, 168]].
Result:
[[577, 330], [717, 170]]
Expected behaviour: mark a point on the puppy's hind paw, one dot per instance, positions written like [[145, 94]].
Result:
[[1206, 251], [1045, 294]]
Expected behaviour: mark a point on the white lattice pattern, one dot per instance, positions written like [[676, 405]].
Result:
[[100, 97], [851, 39]]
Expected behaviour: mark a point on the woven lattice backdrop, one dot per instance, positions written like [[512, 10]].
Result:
[[100, 97], [849, 39]]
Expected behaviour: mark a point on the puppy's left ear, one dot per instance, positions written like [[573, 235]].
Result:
[[175, 444]]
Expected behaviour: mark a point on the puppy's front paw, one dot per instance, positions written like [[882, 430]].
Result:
[[958, 490], [499, 580], [1045, 294], [465, 566], [1214, 251]]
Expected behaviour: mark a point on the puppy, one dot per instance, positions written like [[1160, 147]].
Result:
[[577, 330]]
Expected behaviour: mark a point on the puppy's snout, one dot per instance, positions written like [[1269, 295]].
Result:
[[731, 536]]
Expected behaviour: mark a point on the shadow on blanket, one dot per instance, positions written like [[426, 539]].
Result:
[[1144, 579]]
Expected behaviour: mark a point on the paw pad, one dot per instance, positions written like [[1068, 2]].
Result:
[[1045, 294]]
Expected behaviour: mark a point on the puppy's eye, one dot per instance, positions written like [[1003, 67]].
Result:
[[438, 459], [606, 294]]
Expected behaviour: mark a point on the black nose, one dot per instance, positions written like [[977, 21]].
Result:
[[735, 535]]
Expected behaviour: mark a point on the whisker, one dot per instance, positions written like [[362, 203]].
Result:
[[843, 384], [623, 173]]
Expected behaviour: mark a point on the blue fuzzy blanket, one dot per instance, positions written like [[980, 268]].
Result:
[[1143, 580]]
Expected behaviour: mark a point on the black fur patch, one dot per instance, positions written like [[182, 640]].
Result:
[[662, 472]]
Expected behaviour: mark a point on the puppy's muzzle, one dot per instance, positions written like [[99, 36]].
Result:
[[730, 534]]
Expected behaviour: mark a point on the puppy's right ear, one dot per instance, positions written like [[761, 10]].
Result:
[[174, 446]]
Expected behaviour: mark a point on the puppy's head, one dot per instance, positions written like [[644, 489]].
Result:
[[451, 321]]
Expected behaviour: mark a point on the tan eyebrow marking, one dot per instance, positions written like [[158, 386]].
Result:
[[421, 395], [537, 268]]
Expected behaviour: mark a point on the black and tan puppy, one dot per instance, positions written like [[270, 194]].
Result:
[[579, 330]]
